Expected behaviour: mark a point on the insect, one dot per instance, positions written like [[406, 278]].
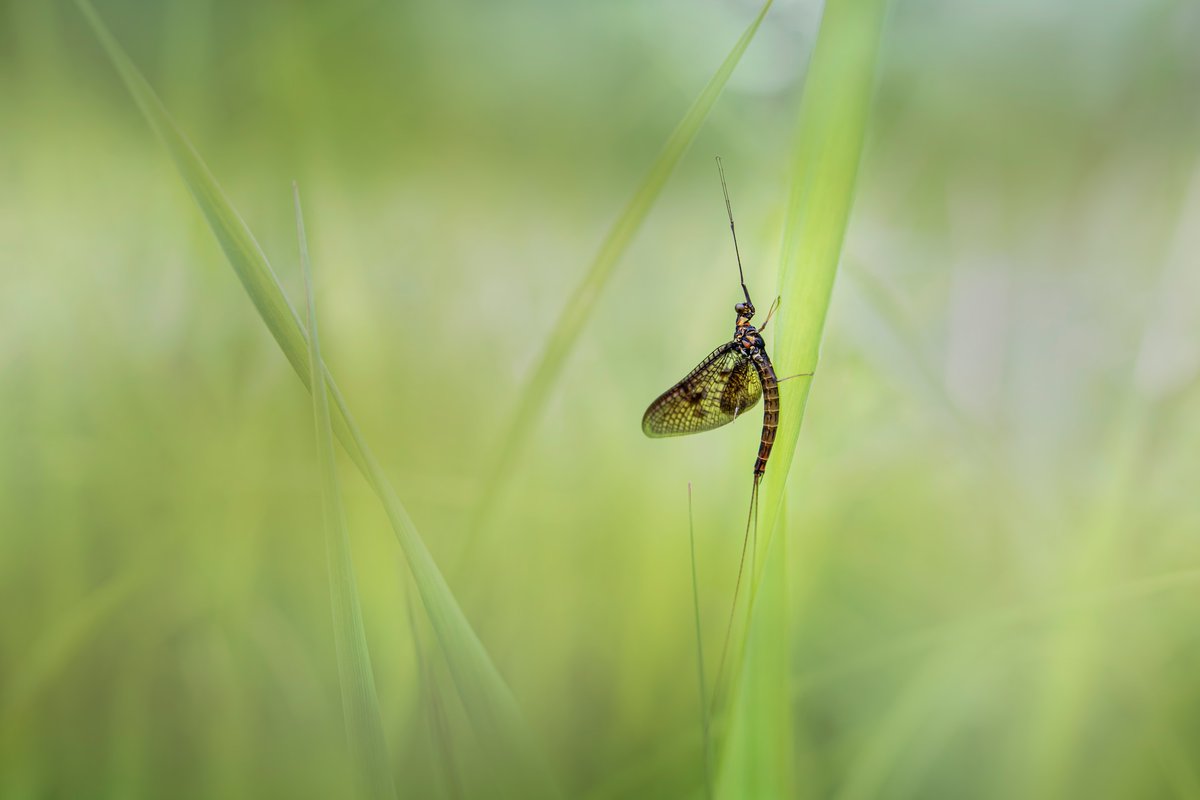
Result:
[[726, 384]]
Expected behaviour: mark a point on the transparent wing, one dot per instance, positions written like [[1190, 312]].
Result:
[[718, 391]]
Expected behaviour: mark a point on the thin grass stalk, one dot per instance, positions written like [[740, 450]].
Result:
[[705, 727], [829, 139], [433, 710], [489, 702], [360, 701], [575, 314], [756, 757]]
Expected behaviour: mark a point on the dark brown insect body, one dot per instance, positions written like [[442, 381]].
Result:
[[752, 342], [726, 384]]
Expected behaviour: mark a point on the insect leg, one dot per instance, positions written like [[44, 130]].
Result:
[[770, 311]]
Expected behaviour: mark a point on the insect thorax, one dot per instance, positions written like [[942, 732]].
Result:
[[748, 339]]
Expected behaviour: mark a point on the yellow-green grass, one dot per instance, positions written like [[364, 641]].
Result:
[[518, 766], [758, 751], [360, 700], [990, 531]]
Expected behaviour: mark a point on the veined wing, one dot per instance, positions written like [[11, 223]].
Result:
[[716, 392]]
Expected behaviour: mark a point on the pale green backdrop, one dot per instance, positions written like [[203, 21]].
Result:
[[995, 532]]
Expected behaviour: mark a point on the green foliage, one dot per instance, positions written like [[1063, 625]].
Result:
[[757, 756], [360, 702], [980, 577], [579, 307], [488, 701]]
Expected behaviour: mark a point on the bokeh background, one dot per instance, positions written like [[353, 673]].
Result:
[[995, 527]]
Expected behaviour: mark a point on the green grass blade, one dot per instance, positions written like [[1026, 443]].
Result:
[[704, 716], [486, 697], [829, 138], [434, 710], [579, 307], [247, 258], [360, 703], [756, 758]]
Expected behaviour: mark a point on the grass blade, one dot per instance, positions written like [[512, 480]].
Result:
[[579, 307], [756, 758], [829, 138], [704, 716], [360, 703], [489, 702], [434, 711]]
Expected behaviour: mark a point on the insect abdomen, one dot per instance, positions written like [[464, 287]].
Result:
[[770, 384]]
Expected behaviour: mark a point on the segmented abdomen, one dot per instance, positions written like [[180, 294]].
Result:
[[770, 385]]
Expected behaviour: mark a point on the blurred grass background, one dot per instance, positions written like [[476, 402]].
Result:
[[995, 534]]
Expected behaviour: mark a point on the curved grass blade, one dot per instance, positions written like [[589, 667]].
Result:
[[579, 307], [360, 702], [489, 702], [829, 139]]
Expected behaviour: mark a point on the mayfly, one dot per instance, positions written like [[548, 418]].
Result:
[[726, 384]]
